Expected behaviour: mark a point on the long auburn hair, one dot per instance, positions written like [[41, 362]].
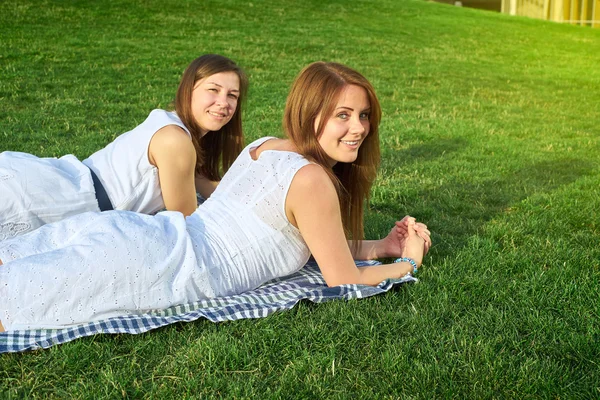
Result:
[[315, 92], [216, 150]]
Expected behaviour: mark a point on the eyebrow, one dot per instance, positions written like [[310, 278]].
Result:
[[216, 84], [352, 109]]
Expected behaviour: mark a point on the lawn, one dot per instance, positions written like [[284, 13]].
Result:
[[490, 135]]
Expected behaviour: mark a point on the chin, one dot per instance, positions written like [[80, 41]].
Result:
[[216, 127], [349, 160], [346, 161]]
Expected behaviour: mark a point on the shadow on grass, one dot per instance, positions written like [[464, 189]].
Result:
[[456, 211], [422, 152]]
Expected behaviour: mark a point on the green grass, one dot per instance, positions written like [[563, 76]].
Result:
[[490, 135]]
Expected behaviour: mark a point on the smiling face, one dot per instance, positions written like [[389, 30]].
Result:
[[347, 127], [214, 100]]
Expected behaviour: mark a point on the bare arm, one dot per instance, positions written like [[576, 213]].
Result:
[[393, 244], [312, 205], [172, 152], [204, 186]]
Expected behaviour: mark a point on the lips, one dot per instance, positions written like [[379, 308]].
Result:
[[219, 115], [350, 142]]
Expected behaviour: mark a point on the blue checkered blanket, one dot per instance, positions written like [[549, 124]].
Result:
[[276, 295]]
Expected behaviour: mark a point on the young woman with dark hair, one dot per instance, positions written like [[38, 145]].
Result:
[[161, 163]]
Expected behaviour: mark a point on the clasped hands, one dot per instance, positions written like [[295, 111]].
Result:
[[408, 238]]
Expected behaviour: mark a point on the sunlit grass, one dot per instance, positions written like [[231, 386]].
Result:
[[490, 136]]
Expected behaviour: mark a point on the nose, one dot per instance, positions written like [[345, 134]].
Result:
[[222, 100], [358, 126]]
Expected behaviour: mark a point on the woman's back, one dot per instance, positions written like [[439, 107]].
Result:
[[242, 231]]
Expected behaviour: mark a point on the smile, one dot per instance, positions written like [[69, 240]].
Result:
[[218, 115], [350, 143]]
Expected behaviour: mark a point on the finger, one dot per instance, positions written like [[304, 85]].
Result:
[[401, 228], [428, 244], [402, 222], [411, 229], [421, 225], [407, 219], [424, 231], [425, 237]]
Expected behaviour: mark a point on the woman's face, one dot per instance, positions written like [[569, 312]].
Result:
[[347, 128], [214, 100]]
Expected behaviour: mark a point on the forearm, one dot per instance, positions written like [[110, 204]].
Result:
[[373, 275], [367, 250]]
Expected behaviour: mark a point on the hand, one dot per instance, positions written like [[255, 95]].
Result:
[[394, 242], [414, 245], [422, 231]]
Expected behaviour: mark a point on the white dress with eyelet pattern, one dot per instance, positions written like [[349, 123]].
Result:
[[95, 266], [36, 191]]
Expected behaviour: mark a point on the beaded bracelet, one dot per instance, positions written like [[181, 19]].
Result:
[[408, 260]]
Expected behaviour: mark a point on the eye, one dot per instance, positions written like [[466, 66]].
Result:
[[233, 96], [214, 90], [365, 115], [343, 115]]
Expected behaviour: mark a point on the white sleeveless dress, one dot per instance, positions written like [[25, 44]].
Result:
[[100, 265], [35, 191]]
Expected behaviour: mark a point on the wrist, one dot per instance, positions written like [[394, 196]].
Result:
[[410, 261], [381, 249]]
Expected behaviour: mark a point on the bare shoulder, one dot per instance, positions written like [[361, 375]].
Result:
[[311, 188], [172, 135], [312, 177], [312, 198], [171, 142]]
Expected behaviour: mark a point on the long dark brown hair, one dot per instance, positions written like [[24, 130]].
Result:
[[315, 92], [217, 150]]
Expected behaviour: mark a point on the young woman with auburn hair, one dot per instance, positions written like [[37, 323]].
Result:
[[161, 163], [315, 93], [281, 201]]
